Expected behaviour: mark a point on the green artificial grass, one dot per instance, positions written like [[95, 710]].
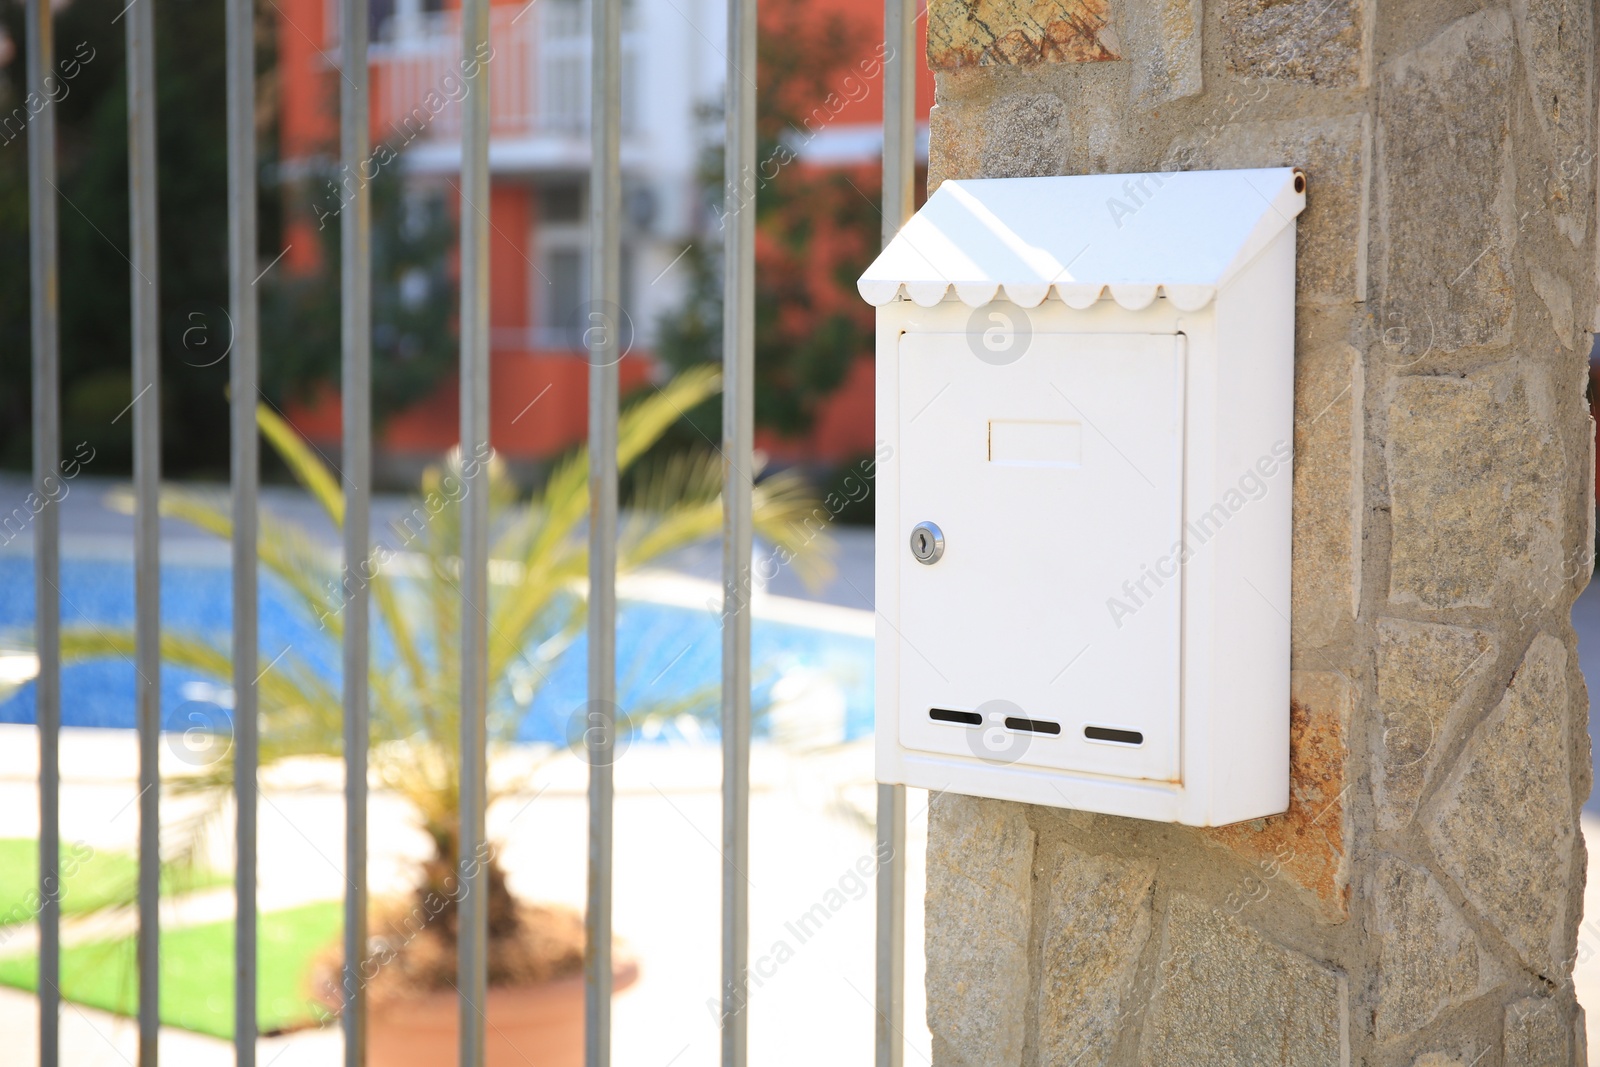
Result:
[[90, 879], [197, 972]]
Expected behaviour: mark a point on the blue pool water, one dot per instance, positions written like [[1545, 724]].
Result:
[[665, 653]]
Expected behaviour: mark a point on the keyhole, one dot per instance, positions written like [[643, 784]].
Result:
[[927, 543]]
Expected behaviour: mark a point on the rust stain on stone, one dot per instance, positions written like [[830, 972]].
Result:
[[1306, 843], [970, 33]]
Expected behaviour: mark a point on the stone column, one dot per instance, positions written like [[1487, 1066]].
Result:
[[1419, 903]]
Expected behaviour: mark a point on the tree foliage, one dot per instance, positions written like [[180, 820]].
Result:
[[91, 118], [413, 302], [816, 229], [413, 299]]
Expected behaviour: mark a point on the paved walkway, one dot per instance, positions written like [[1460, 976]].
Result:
[[809, 833]]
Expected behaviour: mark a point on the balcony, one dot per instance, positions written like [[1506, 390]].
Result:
[[539, 76]]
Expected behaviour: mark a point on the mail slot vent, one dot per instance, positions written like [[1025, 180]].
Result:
[[1116, 737], [1033, 726], [965, 718]]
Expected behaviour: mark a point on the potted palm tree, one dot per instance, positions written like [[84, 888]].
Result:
[[539, 559]]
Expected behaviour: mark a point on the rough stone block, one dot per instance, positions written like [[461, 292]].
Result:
[[1447, 201], [1315, 42], [1557, 42], [1504, 824], [1306, 844], [1429, 958], [968, 33], [1330, 382], [1475, 485], [1424, 673], [952, 147], [1228, 997], [1467, 1053], [1331, 246], [1535, 1035], [1098, 924], [1556, 294], [979, 918], [1163, 46], [1025, 137]]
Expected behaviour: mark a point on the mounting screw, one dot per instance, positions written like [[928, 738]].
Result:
[[927, 543]]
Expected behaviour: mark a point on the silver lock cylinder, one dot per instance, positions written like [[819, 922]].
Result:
[[927, 543]]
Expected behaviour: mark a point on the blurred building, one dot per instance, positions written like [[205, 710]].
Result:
[[672, 77]]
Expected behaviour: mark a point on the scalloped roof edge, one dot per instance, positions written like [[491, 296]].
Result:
[[1027, 295]]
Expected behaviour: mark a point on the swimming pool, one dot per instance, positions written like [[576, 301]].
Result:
[[668, 650]]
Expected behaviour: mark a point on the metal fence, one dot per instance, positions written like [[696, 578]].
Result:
[[605, 288]]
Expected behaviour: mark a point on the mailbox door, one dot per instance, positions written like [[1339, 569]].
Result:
[[1047, 632]]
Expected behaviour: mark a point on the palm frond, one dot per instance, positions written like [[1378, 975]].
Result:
[[300, 713], [640, 425], [398, 625], [287, 551], [308, 469], [788, 517], [679, 479], [551, 561], [645, 420], [678, 501]]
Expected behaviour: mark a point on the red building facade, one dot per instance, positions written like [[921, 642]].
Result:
[[537, 70]]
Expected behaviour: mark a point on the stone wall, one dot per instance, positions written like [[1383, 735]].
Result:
[[1419, 904]]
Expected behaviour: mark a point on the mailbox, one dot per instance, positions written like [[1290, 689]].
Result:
[[1086, 387]]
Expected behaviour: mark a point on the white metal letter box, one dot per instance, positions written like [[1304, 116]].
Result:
[[1086, 387]]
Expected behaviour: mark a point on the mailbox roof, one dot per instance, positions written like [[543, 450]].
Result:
[[1185, 233]]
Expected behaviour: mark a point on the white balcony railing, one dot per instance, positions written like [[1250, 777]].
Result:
[[538, 74]]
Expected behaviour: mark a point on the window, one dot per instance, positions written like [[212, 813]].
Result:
[[562, 294], [566, 285], [561, 203]]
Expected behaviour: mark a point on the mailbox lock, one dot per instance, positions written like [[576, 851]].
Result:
[[927, 543]]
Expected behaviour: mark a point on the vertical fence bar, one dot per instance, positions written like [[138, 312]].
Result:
[[738, 416], [245, 462], [899, 196], [355, 308], [473, 934], [45, 314], [603, 338], [146, 411], [891, 940]]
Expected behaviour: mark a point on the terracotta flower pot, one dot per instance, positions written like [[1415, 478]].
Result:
[[541, 1025]]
